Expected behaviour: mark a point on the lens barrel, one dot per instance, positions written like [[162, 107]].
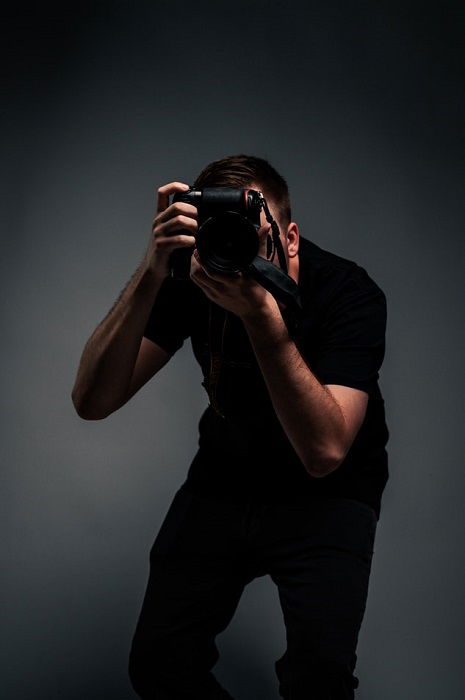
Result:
[[227, 242], [227, 236]]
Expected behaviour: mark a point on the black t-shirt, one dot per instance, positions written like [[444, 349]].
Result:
[[244, 454]]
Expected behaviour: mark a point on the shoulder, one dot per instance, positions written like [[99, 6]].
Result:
[[326, 276]]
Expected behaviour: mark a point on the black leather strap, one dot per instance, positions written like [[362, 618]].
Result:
[[277, 282]]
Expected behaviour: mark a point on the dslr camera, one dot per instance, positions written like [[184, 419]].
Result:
[[227, 236], [227, 240]]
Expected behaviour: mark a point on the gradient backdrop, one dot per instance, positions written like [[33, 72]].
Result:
[[360, 106]]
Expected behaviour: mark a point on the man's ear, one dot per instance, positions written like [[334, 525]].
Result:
[[292, 239]]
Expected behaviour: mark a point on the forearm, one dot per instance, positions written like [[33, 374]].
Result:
[[109, 356], [309, 415]]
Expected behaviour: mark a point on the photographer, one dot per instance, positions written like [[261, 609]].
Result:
[[291, 463]]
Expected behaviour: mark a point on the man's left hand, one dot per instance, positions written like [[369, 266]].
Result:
[[238, 293]]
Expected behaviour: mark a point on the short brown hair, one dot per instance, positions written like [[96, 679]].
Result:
[[241, 171]]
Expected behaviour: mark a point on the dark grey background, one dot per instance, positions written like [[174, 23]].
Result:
[[360, 106]]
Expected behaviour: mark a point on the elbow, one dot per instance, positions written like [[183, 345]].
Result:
[[323, 465], [90, 416], [87, 412]]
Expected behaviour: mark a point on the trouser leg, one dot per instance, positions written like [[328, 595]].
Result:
[[195, 584], [322, 576]]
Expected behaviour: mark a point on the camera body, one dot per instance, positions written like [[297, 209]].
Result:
[[227, 236]]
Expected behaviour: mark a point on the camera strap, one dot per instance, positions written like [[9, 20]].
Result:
[[275, 233], [273, 278]]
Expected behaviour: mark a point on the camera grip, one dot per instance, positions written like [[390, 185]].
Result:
[[180, 261]]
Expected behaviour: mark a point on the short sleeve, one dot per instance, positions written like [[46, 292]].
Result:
[[351, 344], [169, 321]]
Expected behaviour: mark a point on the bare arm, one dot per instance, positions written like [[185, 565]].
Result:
[[321, 421], [116, 361], [109, 356]]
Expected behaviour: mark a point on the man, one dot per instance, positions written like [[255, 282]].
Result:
[[291, 463]]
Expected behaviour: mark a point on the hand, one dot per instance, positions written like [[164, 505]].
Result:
[[238, 293], [179, 216]]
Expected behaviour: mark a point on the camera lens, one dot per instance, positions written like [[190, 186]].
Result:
[[227, 242]]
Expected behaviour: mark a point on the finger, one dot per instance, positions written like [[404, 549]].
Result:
[[265, 228], [164, 192], [178, 223], [200, 274], [166, 244], [197, 268], [212, 277], [178, 208], [221, 278], [197, 275]]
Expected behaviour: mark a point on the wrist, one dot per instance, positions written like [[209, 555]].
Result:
[[263, 313], [152, 273]]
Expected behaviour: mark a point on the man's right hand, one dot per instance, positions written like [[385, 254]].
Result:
[[179, 216]]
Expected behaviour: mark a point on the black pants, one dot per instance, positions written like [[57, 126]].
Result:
[[205, 553]]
